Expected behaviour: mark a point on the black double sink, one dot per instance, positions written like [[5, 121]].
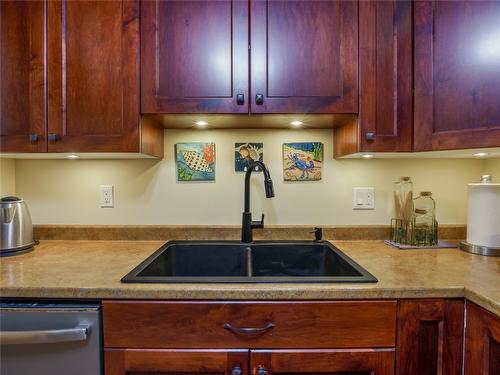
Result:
[[257, 262]]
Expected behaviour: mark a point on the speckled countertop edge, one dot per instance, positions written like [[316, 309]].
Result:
[[460, 275]]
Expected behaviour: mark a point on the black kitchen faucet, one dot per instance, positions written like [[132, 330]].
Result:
[[247, 223]]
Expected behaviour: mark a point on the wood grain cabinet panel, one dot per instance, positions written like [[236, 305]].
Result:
[[22, 76], [482, 342], [304, 56], [430, 337], [385, 75], [327, 362], [159, 324], [385, 121], [457, 80], [93, 80], [175, 362], [194, 56]]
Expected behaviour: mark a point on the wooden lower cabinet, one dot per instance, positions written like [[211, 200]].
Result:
[[299, 337], [279, 324], [236, 362], [174, 362], [482, 342], [430, 337], [335, 361], [229, 337]]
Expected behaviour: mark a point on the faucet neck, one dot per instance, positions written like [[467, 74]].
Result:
[[246, 228], [247, 224], [248, 174]]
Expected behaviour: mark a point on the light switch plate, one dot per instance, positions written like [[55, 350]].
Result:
[[107, 196], [363, 198]]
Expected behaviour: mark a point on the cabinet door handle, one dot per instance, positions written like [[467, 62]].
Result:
[[370, 136], [240, 99], [53, 137], [34, 137], [259, 99], [236, 370], [248, 331], [262, 371]]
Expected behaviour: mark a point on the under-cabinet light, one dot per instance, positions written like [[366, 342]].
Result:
[[480, 154]]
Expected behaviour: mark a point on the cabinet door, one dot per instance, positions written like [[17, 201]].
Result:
[[482, 342], [385, 68], [22, 76], [304, 56], [430, 337], [457, 80], [327, 362], [175, 362], [93, 78], [194, 56]]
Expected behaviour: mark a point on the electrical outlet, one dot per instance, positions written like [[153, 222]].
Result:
[[107, 196], [363, 198]]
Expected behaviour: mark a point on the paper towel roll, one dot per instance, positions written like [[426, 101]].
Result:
[[483, 218]]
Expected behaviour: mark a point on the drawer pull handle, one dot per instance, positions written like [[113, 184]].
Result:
[[248, 331]]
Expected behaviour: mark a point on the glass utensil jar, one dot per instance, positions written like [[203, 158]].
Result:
[[424, 220], [403, 204]]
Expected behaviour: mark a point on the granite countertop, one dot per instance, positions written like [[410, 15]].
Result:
[[93, 269]]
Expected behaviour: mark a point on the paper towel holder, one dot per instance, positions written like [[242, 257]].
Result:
[[478, 249]]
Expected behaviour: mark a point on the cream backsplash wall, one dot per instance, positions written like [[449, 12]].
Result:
[[146, 191], [7, 177], [492, 167]]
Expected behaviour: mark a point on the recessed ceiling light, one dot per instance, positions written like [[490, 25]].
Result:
[[296, 123], [201, 123], [367, 156], [72, 156], [480, 154]]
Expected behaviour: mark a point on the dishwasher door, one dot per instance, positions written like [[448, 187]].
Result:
[[53, 339]]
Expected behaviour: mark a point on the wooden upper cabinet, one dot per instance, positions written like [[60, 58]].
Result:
[[322, 361], [385, 121], [93, 78], [175, 362], [304, 56], [430, 337], [194, 56], [457, 74], [482, 342], [22, 76], [385, 63]]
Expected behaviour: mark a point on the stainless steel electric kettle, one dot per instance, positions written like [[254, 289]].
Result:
[[16, 232]]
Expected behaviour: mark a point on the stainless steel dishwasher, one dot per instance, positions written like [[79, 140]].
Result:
[[55, 339]]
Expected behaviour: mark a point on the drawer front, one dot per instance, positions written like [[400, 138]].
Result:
[[313, 324]]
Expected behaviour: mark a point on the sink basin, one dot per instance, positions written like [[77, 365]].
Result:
[[257, 262]]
